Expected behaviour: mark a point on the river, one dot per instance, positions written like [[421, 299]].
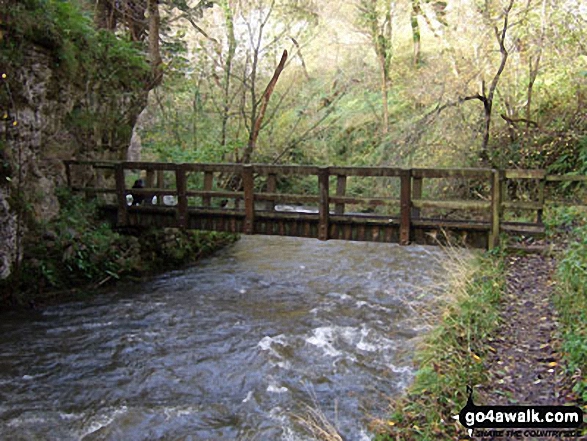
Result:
[[235, 348]]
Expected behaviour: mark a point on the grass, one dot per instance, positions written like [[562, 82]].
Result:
[[450, 356], [571, 293]]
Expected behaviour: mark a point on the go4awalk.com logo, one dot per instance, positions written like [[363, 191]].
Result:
[[513, 422]]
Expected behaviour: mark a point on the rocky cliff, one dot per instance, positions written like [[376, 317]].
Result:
[[75, 98]]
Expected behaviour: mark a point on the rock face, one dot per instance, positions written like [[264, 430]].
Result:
[[48, 118]]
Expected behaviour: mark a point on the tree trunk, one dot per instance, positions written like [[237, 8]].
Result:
[[154, 51], [416, 11], [248, 153]]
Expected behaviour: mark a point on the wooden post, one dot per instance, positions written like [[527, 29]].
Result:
[[405, 206], [150, 183], [208, 180], [416, 194], [182, 200], [340, 191], [496, 184], [121, 195], [271, 188], [323, 208], [160, 185], [249, 191], [540, 211]]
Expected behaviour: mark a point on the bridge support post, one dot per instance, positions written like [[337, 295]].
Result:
[[497, 178], [182, 200], [405, 206], [121, 195], [340, 191], [323, 208], [249, 191]]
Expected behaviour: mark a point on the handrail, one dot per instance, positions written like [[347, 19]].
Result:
[[410, 200]]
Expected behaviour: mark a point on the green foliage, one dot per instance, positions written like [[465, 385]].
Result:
[[78, 249], [75, 248], [571, 299], [77, 48]]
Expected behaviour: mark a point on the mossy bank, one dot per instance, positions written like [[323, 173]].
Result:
[[77, 252]]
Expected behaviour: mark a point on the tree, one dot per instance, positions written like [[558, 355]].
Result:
[[375, 17]]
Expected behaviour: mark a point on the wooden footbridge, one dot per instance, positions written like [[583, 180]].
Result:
[[418, 205]]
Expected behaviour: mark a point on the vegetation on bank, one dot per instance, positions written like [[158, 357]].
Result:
[[571, 293], [77, 249], [451, 356]]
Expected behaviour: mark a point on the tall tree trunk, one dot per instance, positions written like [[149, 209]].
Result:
[[384, 94], [229, 21], [254, 133], [416, 11], [154, 50]]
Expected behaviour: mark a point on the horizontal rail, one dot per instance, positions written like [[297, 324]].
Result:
[[395, 215], [452, 205]]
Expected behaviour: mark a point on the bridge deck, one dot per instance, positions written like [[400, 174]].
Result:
[[404, 212]]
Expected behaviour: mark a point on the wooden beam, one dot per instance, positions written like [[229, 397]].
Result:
[[452, 205], [323, 207], [566, 178], [340, 191], [160, 185], [182, 200], [249, 192], [208, 181], [416, 195], [524, 174], [121, 195], [405, 206], [271, 188], [496, 183]]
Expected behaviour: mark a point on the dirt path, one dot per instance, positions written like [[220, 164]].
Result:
[[525, 367]]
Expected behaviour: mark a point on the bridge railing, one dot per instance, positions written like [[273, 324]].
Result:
[[197, 198]]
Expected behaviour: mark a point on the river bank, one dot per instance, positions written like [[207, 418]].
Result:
[[517, 335], [77, 253]]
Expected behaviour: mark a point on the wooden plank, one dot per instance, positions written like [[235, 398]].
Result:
[[323, 206], [208, 181], [367, 171], [451, 172], [266, 169], [141, 165], [405, 207], [271, 188], [524, 174], [493, 240], [454, 205], [416, 195], [160, 184], [523, 228], [249, 191], [364, 201], [217, 194], [286, 197], [153, 192], [215, 168], [566, 178], [340, 191], [452, 224], [121, 195], [522, 205], [182, 200], [539, 212]]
